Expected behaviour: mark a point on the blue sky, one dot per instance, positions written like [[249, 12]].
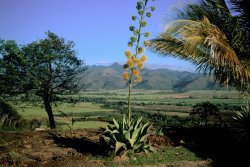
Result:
[[99, 28]]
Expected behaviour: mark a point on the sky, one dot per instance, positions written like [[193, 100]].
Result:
[[99, 28]]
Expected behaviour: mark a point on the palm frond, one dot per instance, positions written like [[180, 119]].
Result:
[[204, 44]]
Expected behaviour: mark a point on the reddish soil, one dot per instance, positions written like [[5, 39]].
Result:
[[52, 148]]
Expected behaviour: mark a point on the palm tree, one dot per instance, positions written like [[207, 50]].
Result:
[[209, 36]]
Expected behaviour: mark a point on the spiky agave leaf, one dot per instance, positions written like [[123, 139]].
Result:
[[138, 122], [136, 133], [145, 128], [127, 135], [144, 137], [121, 136], [241, 126], [118, 146], [116, 123], [132, 142], [138, 146]]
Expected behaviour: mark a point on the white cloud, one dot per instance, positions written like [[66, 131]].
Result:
[[155, 66], [170, 67], [103, 63]]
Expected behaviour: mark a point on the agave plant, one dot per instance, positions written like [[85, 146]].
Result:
[[124, 137], [241, 125], [131, 134]]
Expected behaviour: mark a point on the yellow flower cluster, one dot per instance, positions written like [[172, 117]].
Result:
[[140, 50], [134, 64], [128, 53], [140, 65], [135, 72], [143, 58], [126, 75], [146, 43], [139, 79]]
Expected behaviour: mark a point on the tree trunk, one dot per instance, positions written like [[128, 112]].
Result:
[[48, 109]]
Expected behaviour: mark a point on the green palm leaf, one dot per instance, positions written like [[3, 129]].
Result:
[[207, 35]]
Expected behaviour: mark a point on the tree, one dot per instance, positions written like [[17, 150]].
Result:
[[11, 71], [205, 109], [47, 68], [209, 36]]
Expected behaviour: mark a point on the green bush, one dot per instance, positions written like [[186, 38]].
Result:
[[204, 110], [34, 123], [241, 126], [9, 117]]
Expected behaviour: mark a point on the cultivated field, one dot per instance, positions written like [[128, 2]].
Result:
[[89, 105]]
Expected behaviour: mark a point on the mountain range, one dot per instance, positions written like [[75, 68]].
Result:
[[111, 77]]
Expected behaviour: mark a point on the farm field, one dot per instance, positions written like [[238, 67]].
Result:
[[170, 97], [93, 104]]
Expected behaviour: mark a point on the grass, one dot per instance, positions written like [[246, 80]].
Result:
[[28, 110], [170, 154], [67, 125], [161, 156], [84, 125]]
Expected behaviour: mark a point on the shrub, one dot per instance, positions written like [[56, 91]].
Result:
[[203, 110], [124, 137], [34, 123], [241, 125], [9, 117]]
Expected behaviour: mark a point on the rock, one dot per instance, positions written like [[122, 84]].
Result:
[[27, 146], [182, 142], [204, 163], [48, 142], [122, 157]]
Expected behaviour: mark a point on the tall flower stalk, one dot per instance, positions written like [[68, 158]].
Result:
[[132, 134], [135, 62]]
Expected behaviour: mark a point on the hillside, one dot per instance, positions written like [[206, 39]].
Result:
[[110, 77]]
